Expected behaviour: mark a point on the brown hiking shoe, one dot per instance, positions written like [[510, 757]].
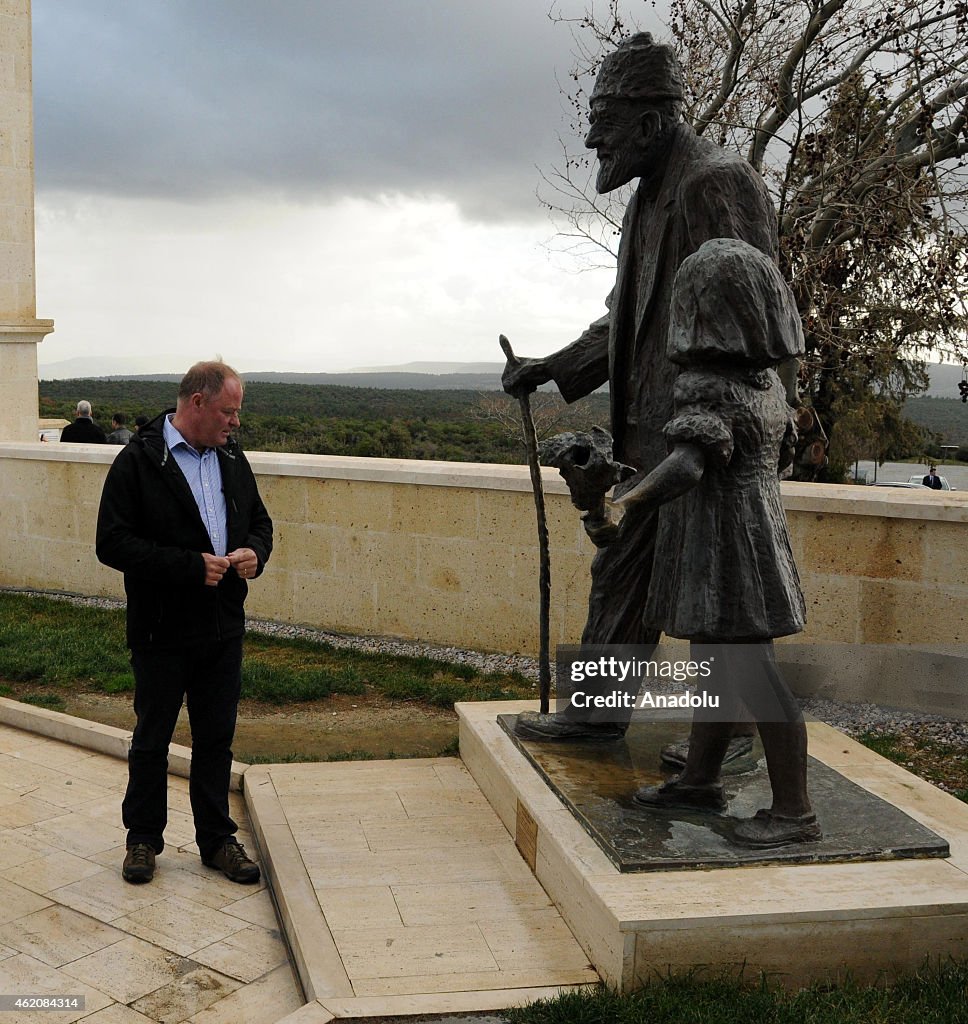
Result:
[[139, 864], [766, 830], [231, 860]]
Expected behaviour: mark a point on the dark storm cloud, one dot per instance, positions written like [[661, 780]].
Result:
[[307, 98]]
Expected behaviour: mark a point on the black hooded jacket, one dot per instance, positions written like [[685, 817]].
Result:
[[149, 528]]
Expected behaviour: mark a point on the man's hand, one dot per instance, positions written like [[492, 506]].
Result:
[[601, 532], [244, 561], [522, 376], [215, 568]]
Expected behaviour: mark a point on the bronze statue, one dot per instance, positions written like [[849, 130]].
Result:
[[689, 191]]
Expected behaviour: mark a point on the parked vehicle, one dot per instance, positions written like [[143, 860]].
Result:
[[899, 483]]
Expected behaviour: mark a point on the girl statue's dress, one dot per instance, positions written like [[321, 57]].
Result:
[[723, 568]]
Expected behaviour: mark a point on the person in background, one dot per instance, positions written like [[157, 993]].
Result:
[[182, 518], [932, 480], [139, 422], [119, 432], [83, 430]]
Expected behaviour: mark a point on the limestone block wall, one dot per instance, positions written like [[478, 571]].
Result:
[[447, 552], [881, 566]]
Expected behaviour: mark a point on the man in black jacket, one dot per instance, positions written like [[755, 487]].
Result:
[[181, 517], [83, 430]]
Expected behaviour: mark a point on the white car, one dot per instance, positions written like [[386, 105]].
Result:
[[919, 479]]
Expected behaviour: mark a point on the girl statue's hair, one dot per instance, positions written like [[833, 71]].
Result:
[[730, 304]]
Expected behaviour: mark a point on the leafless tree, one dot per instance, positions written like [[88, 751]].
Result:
[[549, 410]]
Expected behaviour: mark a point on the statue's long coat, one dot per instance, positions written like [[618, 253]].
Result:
[[704, 193]]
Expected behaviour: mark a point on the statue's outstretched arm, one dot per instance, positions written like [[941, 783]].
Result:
[[679, 472]]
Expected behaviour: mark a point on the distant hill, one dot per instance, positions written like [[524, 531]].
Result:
[[430, 366], [945, 416], [390, 380], [95, 367], [410, 375], [416, 376], [397, 380]]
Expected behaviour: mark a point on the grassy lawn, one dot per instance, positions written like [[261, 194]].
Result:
[[48, 647], [936, 995]]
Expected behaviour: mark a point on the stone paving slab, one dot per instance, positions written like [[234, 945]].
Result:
[[402, 894]]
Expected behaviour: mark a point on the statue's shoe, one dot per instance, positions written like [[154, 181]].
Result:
[[675, 754], [532, 725], [675, 795], [766, 830]]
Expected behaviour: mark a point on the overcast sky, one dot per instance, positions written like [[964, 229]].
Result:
[[300, 184]]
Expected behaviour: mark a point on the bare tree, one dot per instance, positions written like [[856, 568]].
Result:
[[856, 114], [549, 410]]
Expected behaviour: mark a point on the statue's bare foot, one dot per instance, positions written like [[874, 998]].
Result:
[[675, 795], [766, 830], [675, 754], [532, 725]]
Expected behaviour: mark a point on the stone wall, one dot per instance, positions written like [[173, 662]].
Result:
[[446, 552]]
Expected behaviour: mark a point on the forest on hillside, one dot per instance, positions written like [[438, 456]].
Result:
[[452, 426], [449, 425], [947, 417]]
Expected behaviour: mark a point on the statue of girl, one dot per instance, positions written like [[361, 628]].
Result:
[[724, 576]]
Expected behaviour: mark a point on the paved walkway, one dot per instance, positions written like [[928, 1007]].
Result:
[[190, 946], [403, 893], [397, 892]]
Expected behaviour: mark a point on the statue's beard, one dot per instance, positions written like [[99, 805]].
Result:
[[615, 170], [619, 167]]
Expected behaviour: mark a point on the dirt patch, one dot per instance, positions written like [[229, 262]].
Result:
[[367, 725]]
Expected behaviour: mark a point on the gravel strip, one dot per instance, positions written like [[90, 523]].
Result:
[[853, 719]]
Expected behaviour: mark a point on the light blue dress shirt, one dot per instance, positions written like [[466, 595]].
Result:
[[204, 476]]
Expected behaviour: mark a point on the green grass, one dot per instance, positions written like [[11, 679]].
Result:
[[295, 756], [43, 700], [48, 643], [935, 995], [53, 643]]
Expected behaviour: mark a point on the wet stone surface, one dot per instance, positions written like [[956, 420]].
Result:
[[596, 783]]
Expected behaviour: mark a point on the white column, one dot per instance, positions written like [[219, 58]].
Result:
[[20, 330]]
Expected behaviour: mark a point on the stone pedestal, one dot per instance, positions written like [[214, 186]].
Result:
[[797, 922]]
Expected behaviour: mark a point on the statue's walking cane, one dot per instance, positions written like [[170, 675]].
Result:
[[544, 578]]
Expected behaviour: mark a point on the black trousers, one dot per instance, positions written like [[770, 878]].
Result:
[[209, 677]]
